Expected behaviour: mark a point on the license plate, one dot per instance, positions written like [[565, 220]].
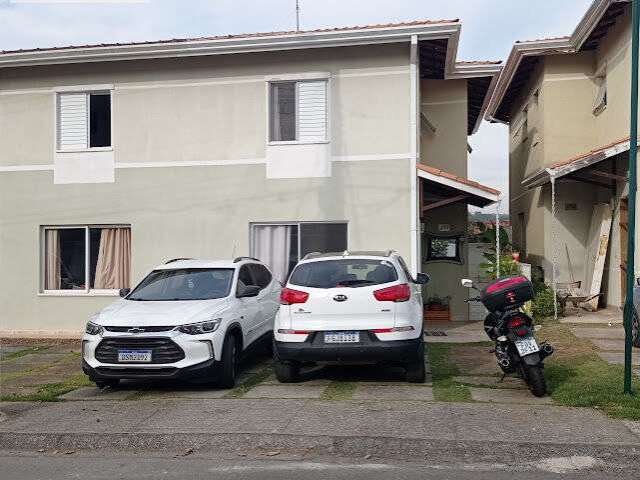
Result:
[[134, 355], [526, 346], [341, 337]]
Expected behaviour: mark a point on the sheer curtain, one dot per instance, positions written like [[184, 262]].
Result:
[[272, 245], [52, 260], [114, 259]]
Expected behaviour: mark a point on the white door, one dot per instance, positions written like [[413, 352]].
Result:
[[250, 312]]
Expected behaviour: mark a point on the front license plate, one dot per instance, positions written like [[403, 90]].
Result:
[[134, 356], [341, 337], [526, 346]]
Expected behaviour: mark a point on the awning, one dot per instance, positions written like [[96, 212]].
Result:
[[580, 162], [441, 188]]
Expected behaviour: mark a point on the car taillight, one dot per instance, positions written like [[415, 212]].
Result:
[[397, 293], [289, 296]]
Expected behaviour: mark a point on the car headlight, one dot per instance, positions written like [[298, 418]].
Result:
[[200, 327], [93, 329]]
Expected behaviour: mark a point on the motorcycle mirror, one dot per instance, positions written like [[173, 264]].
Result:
[[467, 283]]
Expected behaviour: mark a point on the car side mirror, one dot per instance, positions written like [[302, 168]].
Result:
[[466, 283], [123, 292], [248, 291], [422, 279]]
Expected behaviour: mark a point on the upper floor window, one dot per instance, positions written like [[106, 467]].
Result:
[[600, 102], [298, 111], [84, 120]]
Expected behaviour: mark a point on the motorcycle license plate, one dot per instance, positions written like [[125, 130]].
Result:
[[341, 337], [527, 346]]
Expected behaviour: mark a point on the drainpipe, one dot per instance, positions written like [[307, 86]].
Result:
[[498, 238], [633, 158], [554, 251], [415, 152]]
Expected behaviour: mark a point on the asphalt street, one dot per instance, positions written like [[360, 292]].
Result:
[[109, 466]]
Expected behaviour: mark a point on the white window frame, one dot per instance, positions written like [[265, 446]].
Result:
[[298, 225], [87, 90], [297, 79], [90, 292]]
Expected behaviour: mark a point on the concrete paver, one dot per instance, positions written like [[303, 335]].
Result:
[[608, 345], [94, 393], [298, 390], [462, 332], [616, 332], [617, 358], [517, 397], [381, 392], [606, 316], [492, 382]]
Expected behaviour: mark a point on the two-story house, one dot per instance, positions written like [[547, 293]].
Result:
[[114, 158], [566, 101]]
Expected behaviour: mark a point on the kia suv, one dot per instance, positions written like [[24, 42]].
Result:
[[350, 307], [188, 319]]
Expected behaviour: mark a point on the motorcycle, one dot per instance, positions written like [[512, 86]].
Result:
[[512, 330]]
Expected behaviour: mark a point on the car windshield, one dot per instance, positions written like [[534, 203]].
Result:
[[348, 272], [184, 284]]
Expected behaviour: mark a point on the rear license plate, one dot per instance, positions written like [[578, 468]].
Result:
[[341, 337], [527, 346], [134, 355]]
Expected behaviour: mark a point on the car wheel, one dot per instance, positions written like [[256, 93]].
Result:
[[635, 330], [286, 372], [111, 383], [416, 371], [230, 355]]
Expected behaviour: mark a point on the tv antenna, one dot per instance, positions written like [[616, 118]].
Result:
[[297, 15]]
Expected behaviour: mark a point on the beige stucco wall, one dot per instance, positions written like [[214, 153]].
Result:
[[201, 212]]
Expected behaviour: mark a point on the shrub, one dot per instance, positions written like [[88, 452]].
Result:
[[542, 304]]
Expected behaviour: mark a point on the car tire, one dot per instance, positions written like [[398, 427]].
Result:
[[416, 371], [111, 383], [229, 360], [286, 372]]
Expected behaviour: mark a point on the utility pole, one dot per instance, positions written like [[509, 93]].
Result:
[[633, 180], [297, 15]]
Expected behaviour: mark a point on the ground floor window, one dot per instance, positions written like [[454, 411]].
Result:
[[440, 248], [281, 245], [86, 257]]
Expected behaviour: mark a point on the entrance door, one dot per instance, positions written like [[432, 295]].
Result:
[[624, 230]]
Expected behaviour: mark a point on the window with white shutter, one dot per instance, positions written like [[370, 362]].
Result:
[[84, 120], [298, 111]]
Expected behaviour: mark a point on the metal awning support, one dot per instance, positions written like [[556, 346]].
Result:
[[554, 252]]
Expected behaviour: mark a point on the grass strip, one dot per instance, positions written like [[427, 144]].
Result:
[[443, 370], [49, 392], [578, 377], [339, 391], [22, 353], [249, 383]]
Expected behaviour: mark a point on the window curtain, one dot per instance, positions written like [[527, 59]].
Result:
[[52, 260], [272, 245], [114, 259]]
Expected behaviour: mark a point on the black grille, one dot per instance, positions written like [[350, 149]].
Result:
[[135, 372], [141, 329], [163, 350]]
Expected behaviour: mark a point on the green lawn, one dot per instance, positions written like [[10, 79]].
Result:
[[445, 388]]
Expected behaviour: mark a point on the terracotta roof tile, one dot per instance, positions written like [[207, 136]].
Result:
[[451, 176], [239, 36], [595, 151]]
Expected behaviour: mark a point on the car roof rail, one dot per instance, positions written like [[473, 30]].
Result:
[[239, 259], [176, 260]]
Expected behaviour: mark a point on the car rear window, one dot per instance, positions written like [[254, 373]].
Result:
[[343, 273]]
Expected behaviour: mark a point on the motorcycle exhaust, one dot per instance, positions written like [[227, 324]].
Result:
[[546, 349]]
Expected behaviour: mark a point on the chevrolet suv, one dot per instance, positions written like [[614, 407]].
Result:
[[188, 319], [350, 307]]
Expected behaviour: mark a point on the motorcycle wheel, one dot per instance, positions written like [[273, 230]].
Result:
[[534, 376]]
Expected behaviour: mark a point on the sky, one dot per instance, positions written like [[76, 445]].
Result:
[[489, 29]]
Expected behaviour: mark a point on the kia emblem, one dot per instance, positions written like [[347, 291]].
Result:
[[340, 298]]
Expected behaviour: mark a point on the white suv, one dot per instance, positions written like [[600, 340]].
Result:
[[188, 319], [351, 307]]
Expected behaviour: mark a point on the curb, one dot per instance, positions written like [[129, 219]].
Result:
[[442, 451]]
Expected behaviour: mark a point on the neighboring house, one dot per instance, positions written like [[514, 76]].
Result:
[[566, 101], [114, 158]]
